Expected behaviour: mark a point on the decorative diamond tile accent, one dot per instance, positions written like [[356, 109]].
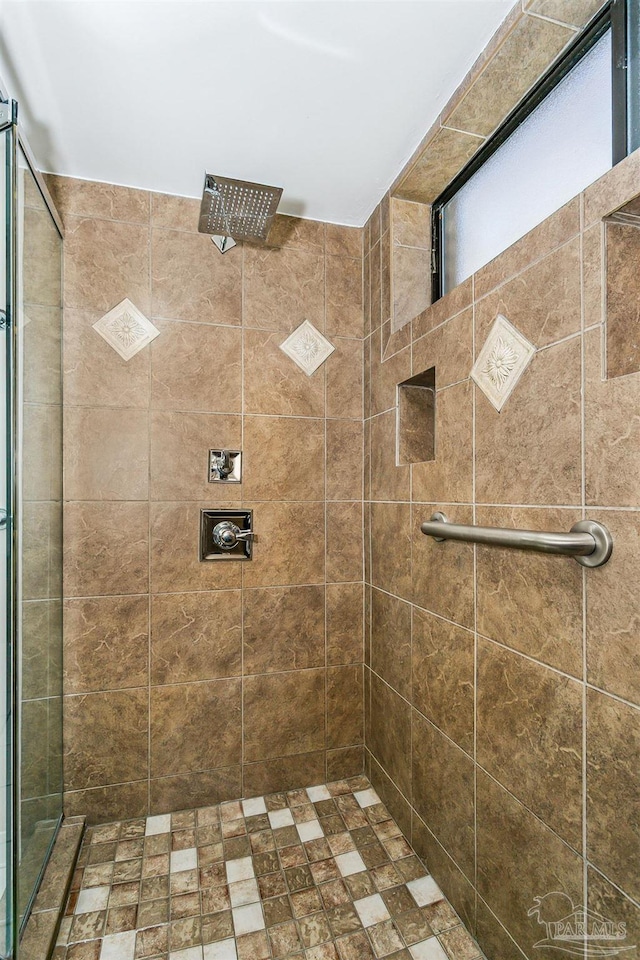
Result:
[[502, 361], [126, 329], [307, 347]]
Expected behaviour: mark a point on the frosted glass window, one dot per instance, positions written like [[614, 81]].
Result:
[[559, 149]]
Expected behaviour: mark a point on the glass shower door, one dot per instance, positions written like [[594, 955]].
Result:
[[31, 537], [6, 578], [38, 470]]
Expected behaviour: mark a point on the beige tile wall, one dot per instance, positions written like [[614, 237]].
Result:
[[187, 683], [532, 36], [502, 688]]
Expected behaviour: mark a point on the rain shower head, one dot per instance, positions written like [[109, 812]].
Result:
[[237, 210]]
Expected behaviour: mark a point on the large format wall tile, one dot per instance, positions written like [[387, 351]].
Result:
[[283, 714], [551, 233], [531, 738], [344, 705], [542, 413], [391, 641], [86, 198], [180, 444], [543, 302], [613, 785], [94, 374], [390, 796], [289, 231], [519, 62], [493, 936], [108, 803], [609, 902], [388, 481], [449, 306], [442, 669], [283, 629], [104, 262], [391, 547], [573, 12], [344, 296], [442, 573], [274, 384], [344, 623], [192, 281], [344, 541], [529, 601], [106, 454], [612, 432], [106, 643], [391, 733], [190, 790], [175, 213], [106, 549], [282, 287], [448, 348], [562, 448], [385, 377], [443, 791], [345, 380], [344, 459], [175, 563], [195, 636], [179, 715], [520, 859], [449, 877], [283, 773], [198, 367], [283, 459], [449, 477], [613, 654], [446, 154], [105, 738], [343, 241], [290, 544]]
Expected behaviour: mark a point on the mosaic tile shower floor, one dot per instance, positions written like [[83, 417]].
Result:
[[319, 874]]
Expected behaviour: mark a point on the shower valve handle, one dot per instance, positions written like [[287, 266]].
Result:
[[227, 535]]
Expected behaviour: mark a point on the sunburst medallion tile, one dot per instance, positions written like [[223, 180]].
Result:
[[502, 361], [126, 329], [307, 347]]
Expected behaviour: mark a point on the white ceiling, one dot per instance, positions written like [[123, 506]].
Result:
[[326, 99]]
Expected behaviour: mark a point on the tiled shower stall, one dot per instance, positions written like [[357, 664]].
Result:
[[490, 697]]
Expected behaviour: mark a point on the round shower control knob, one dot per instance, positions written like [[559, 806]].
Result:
[[226, 535]]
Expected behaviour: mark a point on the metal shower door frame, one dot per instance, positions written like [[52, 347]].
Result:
[[17, 144]]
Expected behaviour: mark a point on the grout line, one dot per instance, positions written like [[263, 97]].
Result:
[[326, 542], [475, 605], [149, 526], [242, 501]]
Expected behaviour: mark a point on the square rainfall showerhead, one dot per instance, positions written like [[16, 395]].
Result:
[[237, 208]]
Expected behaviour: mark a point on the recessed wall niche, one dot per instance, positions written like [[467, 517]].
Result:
[[416, 425], [622, 290]]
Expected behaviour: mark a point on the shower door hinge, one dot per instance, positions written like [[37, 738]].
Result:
[[8, 112], [4, 320]]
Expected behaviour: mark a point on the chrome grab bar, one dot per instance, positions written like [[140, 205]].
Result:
[[588, 542]]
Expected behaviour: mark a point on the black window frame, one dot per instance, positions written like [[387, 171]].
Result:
[[622, 17]]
